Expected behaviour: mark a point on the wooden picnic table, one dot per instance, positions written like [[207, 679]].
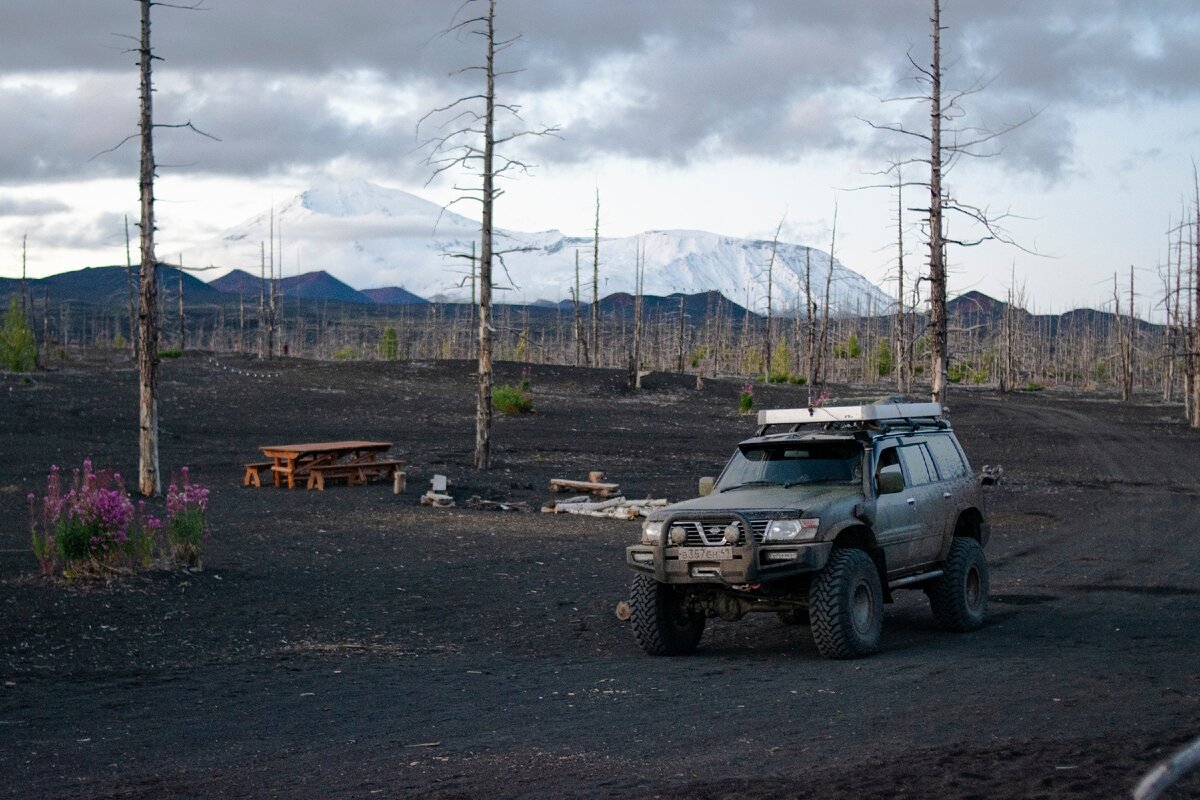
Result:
[[291, 461]]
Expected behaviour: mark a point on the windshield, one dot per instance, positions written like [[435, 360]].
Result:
[[793, 464]]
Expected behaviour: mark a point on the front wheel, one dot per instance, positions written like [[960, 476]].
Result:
[[845, 606], [959, 597], [662, 624]]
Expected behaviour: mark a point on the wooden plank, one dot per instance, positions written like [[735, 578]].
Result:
[[602, 489]]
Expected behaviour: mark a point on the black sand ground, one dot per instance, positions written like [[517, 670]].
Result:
[[353, 644]]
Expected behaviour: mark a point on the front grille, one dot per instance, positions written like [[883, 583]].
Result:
[[710, 533]]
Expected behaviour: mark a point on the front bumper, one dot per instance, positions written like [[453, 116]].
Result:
[[751, 563]]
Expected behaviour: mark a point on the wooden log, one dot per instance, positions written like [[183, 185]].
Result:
[[594, 487], [432, 498]]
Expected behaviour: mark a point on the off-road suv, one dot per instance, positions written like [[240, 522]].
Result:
[[820, 517]]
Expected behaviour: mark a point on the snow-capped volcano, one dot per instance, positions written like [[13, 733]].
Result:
[[370, 236]]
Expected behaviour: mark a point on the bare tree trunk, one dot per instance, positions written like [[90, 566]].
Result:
[[483, 404], [682, 343], [182, 317], [595, 343], [823, 349], [149, 481], [581, 350], [770, 288], [810, 314], [634, 380], [901, 336], [938, 349], [1194, 309]]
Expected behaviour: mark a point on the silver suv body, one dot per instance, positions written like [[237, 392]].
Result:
[[820, 522]]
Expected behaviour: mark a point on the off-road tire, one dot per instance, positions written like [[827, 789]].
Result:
[[661, 625], [797, 615], [845, 606], [959, 597]]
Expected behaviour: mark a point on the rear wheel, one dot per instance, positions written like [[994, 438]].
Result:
[[959, 598], [845, 606], [662, 624]]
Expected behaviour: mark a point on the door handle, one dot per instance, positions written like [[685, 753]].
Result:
[[946, 495], [911, 501]]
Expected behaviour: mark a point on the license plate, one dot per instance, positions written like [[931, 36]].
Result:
[[704, 553]]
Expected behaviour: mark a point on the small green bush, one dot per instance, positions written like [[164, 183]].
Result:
[[746, 399], [346, 354], [172, 353], [389, 345], [511, 400], [18, 349]]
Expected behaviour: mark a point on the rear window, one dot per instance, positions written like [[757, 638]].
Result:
[[946, 456]]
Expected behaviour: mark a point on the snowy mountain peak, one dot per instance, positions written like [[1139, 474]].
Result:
[[370, 236]]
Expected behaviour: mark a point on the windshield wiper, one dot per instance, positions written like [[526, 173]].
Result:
[[816, 481], [750, 483]]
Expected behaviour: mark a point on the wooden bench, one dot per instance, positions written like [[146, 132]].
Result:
[[252, 470], [356, 474]]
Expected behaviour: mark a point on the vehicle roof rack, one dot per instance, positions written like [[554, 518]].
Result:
[[874, 415]]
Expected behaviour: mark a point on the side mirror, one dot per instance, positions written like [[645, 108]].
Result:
[[891, 480], [706, 486]]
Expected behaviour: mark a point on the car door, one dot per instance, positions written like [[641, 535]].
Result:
[[924, 495], [897, 525]]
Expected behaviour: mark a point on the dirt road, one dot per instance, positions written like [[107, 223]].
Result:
[[352, 644]]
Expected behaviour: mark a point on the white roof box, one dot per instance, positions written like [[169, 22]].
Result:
[[871, 413]]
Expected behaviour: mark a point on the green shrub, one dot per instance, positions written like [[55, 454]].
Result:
[[346, 354], [885, 362], [746, 399], [511, 400], [389, 345], [18, 349], [798, 380], [172, 353]]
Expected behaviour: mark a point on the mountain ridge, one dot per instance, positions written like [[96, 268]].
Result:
[[365, 234]]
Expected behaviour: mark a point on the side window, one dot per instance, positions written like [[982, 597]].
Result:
[[949, 461], [916, 465]]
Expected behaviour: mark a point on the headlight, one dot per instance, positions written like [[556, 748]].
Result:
[[791, 530], [651, 532]]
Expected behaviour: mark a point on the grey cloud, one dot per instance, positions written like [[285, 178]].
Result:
[[15, 207], [764, 78]]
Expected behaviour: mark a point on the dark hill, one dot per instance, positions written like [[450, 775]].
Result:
[[107, 286], [309, 286], [393, 296]]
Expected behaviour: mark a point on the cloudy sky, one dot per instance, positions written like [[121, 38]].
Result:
[[719, 115]]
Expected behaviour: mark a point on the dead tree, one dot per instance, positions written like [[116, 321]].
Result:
[[149, 480], [947, 144], [595, 343], [823, 346], [767, 351], [472, 148]]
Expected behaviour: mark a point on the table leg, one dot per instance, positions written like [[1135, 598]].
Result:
[[275, 474]]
